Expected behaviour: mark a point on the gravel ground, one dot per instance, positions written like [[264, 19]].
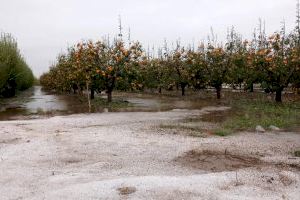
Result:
[[123, 156]]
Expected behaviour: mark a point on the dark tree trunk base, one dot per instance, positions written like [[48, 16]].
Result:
[[218, 88], [251, 87], [9, 93], [182, 91], [92, 94], [278, 97], [109, 96], [182, 86]]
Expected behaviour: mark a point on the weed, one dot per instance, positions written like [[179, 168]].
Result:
[[297, 153], [250, 113], [195, 131], [222, 132]]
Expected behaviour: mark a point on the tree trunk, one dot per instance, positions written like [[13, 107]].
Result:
[[251, 87], [109, 96], [88, 95], [75, 87], [80, 90], [182, 89], [278, 95], [218, 88], [159, 90], [92, 93]]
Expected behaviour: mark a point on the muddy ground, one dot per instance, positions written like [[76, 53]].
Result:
[[130, 156]]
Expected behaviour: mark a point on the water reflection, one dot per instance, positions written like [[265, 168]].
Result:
[[30, 104], [36, 103], [43, 102]]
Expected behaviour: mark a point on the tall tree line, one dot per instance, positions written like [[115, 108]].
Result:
[[14, 72]]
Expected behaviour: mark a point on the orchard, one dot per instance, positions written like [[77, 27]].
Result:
[[271, 62]]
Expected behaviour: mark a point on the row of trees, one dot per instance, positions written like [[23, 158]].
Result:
[[273, 62], [14, 72]]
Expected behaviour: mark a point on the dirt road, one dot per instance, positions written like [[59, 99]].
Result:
[[127, 156]]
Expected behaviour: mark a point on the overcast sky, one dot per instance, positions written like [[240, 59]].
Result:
[[45, 28]]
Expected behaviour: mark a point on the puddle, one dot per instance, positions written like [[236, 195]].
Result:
[[218, 117], [36, 103]]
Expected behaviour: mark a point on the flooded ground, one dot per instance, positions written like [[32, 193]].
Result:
[[32, 103], [36, 103]]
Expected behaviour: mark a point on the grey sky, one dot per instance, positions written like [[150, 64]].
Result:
[[45, 28]]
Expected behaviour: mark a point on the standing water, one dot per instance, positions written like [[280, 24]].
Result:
[[37, 103], [32, 103], [44, 102]]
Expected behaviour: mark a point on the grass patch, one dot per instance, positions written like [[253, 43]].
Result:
[[222, 132], [179, 127], [297, 153], [192, 130], [115, 104], [99, 103], [250, 113], [245, 114]]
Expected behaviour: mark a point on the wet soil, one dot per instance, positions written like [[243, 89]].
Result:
[[215, 161], [219, 116], [126, 190]]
